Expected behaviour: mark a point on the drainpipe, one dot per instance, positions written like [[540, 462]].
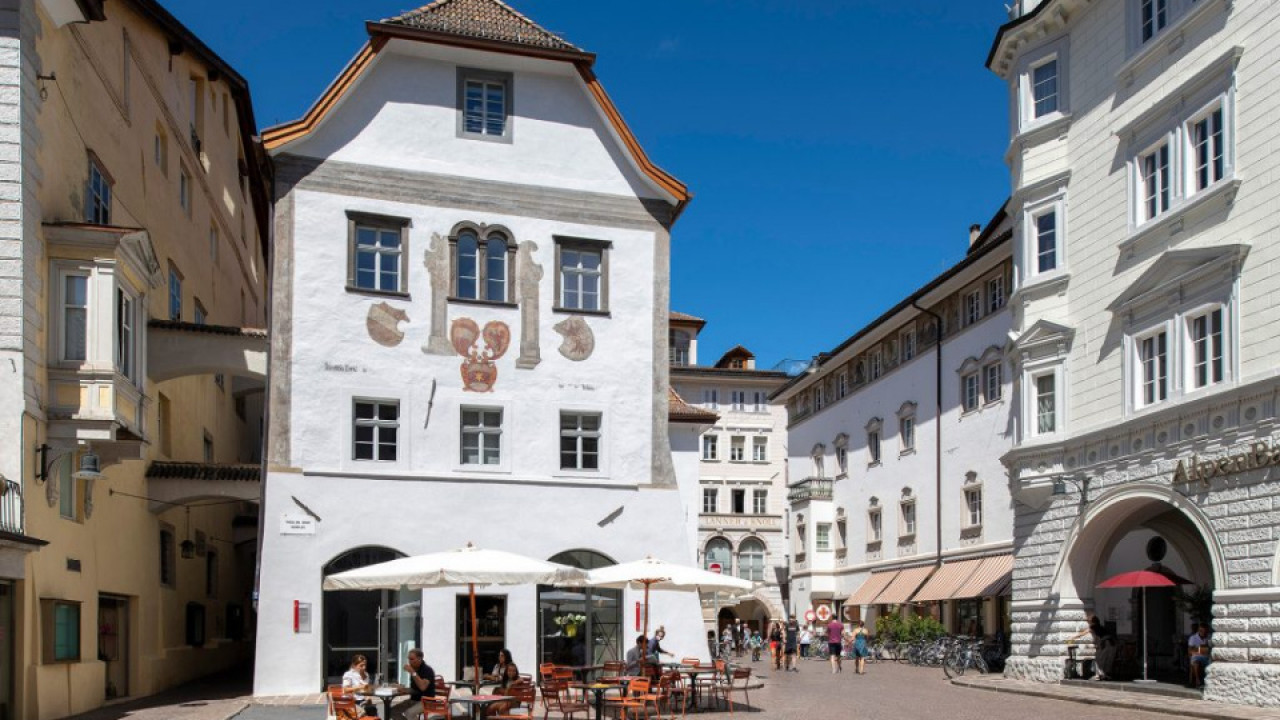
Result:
[[937, 423]]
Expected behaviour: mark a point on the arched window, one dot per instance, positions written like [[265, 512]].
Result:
[[719, 551], [482, 260], [579, 625], [751, 560], [350, 619]]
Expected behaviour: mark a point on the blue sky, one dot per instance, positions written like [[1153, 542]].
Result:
[[838, 149]]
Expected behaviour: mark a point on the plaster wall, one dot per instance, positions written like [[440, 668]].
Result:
[[403, 113]]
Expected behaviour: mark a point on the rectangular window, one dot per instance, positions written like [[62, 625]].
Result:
[[75, 317], [579, 441], [160, 151], [98, 196], [759, 501], [760, 449], [486, 108], [1046, 406], [907, 432], [909, 518], [377, 261], [1153, 353], [760, 401], [995, 294], [873, 447], [973, 307], [710, 500], [213, 244], [184, 189], [710, 398], [1155, 182], [211, 574], [1154, 15], [1207, 366], [1044, 88], [376, 429], [168, 571], [823, 539], [971, 397], [993, 378], [581, 278], [1047, 241], [908, 345], [739, 399], [201, 315], [68, 497], [1207, 159], [876, 366], [842, 461], [481, 436], [842, 385], [175, 294], [208, 448], [737, 448], [60, 625], [126, 325], [710, 447], [973, 507], [874, 531], [739, 498]]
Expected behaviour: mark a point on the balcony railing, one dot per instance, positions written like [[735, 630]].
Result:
[[10, 506], [810, 489]]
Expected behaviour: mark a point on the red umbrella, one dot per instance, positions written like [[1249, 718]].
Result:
[[1144, 579]]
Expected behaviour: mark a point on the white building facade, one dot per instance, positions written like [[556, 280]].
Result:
[[468, 345], [742, 474], [1144, 331], [891, 509]]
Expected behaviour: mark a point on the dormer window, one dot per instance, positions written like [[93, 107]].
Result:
[[484, 104]]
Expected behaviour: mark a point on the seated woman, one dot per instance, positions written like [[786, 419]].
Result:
[[1104, 647], [504, 675], [356, 680], [1200, 649]]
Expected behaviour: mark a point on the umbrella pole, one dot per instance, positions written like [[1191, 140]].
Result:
[[1144, 634], [475, 637]]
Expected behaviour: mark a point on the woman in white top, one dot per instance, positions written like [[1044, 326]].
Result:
[[356, 680]]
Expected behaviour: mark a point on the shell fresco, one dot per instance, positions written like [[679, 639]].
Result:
[[383, 324]]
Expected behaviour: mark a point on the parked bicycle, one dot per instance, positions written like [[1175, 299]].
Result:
[[965, 654]]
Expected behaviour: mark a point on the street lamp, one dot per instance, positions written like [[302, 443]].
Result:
[[1079, 482], [90, 468]]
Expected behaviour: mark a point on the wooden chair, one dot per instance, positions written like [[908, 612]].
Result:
[[341, 705], [436, 708], [524, 696]]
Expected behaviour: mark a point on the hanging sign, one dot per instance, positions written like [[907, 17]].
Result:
[[297, 525]]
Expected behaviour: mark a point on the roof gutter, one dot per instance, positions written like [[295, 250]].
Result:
[[937, 424]]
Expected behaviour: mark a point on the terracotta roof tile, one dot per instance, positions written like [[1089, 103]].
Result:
[[205, 328], [484, 19], [680, 411], [684, 317], [203, 471]]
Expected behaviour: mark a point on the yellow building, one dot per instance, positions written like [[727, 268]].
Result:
[[133, 226]]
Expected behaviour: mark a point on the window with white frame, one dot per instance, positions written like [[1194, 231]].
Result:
[[970, 392], [875, 530], [710, 398], [737, 448], [710, 447], [97, 209], [1154, 184], [760, 501], [1206, 149], [580, 435], [973, 307], [907, 341], [1046, 241], [582, 282], [184, 189], [484, 104], [822, 537], [482, 262], [127, 334], [817, 454], [873, 446], [175, 294], [993, 382], [876, 364], [995, 294], [760, 401], [907, 433], [973, 506], [1044, 88], [819, 396], [760, 449], [842, 459], [842, 385], [719, 552], [1150, 18], [75, 316], [678, 342], [68, 488], [375, 435], [1044, 402], [908, 517], [1153, 365], [710, 500], [1206, 351], [377, 253], [738, 398], [481, 436], [751, 560]]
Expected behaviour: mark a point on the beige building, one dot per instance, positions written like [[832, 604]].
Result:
[[742, 473], [133, 211]]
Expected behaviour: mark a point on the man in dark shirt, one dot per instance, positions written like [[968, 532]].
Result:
[[422, 683]]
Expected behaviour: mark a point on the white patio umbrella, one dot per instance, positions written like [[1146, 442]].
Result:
[[652, 572], [468, 566]]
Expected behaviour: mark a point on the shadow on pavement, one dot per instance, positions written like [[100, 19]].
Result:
[[197, 693]]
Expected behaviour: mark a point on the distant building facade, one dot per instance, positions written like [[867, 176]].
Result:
[[891, 511], [742, 473]]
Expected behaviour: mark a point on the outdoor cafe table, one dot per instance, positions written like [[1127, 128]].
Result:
[[693, 671], [478, 702], [583, 670], [386, 694], [598, 689]]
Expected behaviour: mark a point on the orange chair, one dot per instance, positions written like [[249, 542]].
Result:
[[524, 695], [739, 680], [637, 700], [436, 708], [342, 705], [561, 701]]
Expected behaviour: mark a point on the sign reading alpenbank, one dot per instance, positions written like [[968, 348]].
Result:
[[1201, 470]]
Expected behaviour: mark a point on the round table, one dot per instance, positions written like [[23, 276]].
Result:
[[598, 689], [386, 694], [478, 702]]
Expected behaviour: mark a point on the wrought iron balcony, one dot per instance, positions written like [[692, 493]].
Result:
[[810, 489]]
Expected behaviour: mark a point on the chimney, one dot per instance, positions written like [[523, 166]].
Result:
[[974, 231]]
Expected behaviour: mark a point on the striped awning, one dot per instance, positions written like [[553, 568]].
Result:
[[904, 586], [990, 579], [871, 587], [947, 581]]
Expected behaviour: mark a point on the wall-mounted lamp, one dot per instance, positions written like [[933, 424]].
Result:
[[188, 547], [1079, 482], [90, 468]]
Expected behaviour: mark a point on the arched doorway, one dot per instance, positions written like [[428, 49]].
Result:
[[1143, 528], [579, 626], [382, 625]]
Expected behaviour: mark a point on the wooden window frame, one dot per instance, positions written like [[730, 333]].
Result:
[[375, 221]]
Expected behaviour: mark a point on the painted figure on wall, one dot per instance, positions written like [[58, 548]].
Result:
[[383, 324], [530, 275], [479, 373], [579, 341]]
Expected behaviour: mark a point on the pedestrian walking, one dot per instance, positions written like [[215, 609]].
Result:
[[835, 638], [775, 644], [792, 640], [806, 638], [860, 649]]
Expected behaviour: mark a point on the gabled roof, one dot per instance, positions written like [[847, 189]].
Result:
[[680, 318], [680, 411], [483, 19], [737, 351]]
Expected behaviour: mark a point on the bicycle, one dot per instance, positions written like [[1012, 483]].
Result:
[[965, 655]]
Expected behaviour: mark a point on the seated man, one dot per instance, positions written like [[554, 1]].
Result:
[[638, 655], [1200, 649], [422, 683]]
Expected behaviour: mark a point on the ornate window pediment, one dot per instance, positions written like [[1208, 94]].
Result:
[[1045, 337], [988, 356], [842, 440], [908, 409], [1179, 272], [874, 424]]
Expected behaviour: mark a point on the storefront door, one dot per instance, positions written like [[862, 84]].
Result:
[[491, 630], [113, 643]]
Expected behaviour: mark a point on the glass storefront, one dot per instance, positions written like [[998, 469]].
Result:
[[382, 625], [579, 626]]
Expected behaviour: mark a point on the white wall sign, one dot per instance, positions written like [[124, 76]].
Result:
[[297, 525]]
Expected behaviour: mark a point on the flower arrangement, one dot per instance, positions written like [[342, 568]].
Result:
[[570, 619]]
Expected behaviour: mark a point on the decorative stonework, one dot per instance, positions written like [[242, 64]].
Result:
[[437, 262], [383, 324], [479, 373], [579, 341], [529, 275]]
